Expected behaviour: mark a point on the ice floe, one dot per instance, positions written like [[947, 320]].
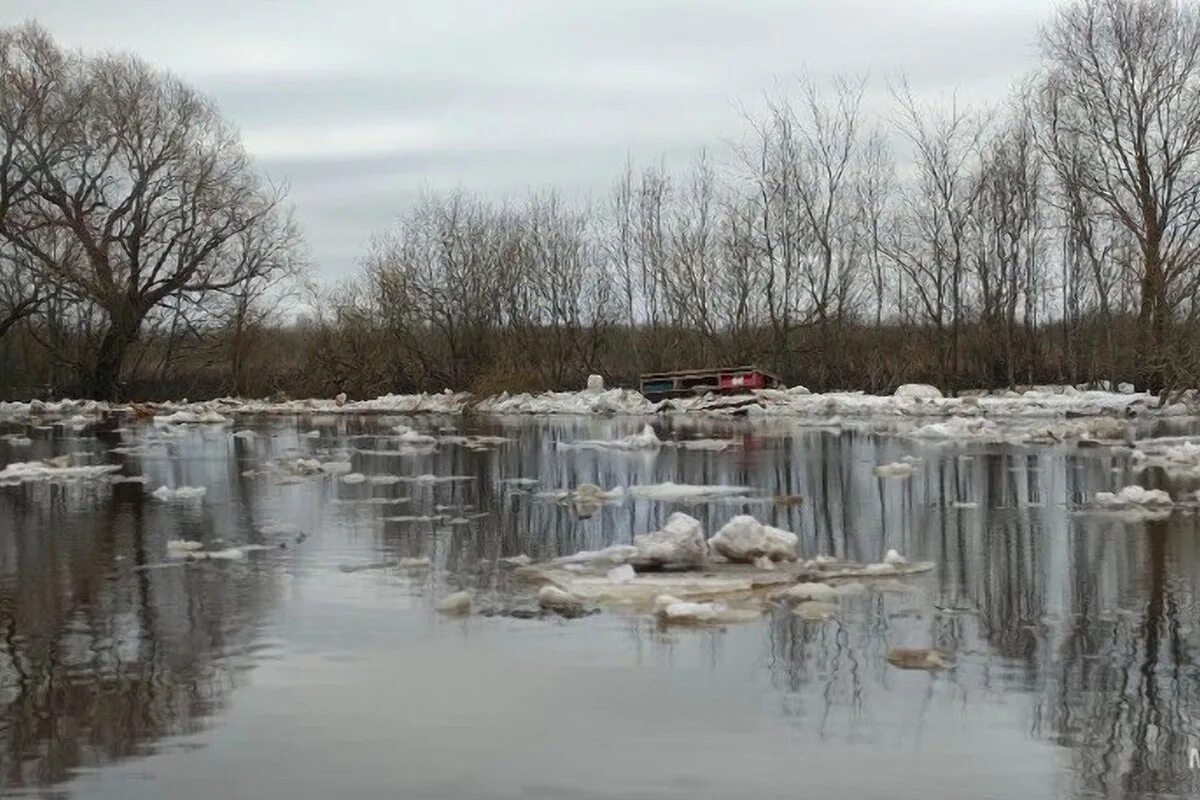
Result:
[[679, 543], [55, 469], [181, 494], [685, 493], [900, 469], [455, 604], [744, 539]]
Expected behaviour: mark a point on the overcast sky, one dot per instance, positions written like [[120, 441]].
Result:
[[361, 104]]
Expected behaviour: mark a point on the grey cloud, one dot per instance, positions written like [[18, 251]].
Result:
[[362, 104]]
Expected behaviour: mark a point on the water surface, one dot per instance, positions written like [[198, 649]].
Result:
[[283, 675]]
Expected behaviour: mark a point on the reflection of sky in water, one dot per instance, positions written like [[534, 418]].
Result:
[[283, 676]]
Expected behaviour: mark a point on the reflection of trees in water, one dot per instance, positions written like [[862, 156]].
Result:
[[99, 660], [1123, 688], [1095, 618], [1093, 621]]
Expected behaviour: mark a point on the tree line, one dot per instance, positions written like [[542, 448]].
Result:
[[1049, 237]]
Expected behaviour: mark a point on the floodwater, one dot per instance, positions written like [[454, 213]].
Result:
[[309, 670]]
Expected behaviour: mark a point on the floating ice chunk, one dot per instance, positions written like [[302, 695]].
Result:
[[672, 609], [245, 434], [409, 436], [1133, 496], [335, 467], [520, 482], [815, 610], [616, 554], [918, 391], [894, 558], [340, 399], [354, 478], [684, 493], [899, 469], [809, 591], [680, 542], [961, 428], [456, 604], [1125, 388], [556, 599], [517, 561], [647, 439], [228, 554], [744, 539], [306, 466], [183, 417], [54, 469], [191, 551], [595, 384], [621, 575], [414, 563], [180, 494]]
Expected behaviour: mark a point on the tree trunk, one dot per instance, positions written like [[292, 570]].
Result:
[[104, 383], [1153, 326]]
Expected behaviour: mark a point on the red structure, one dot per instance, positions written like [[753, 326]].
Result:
[[724, 380]]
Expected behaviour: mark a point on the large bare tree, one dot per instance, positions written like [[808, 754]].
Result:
[[1122, 84], [142, 174]]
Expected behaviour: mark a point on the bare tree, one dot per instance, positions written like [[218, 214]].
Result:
[[929, 241], [1123, 81], [150, 183]]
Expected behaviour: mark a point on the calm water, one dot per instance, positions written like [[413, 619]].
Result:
[[285, 676]]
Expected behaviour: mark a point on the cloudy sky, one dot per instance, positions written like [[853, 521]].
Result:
[[362, 104]]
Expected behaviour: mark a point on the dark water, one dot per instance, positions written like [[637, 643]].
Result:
[[283, 676]]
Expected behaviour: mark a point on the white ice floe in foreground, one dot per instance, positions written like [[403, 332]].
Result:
[[686, 588], [744, 539], [679, 543]]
